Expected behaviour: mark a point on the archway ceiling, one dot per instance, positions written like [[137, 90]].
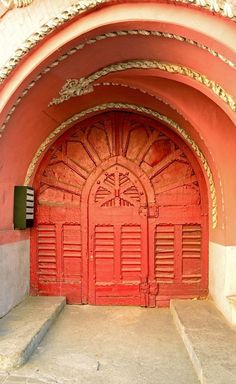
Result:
[[186, 101], [197, 25], [103, 53], [181, 92], [111, 12]]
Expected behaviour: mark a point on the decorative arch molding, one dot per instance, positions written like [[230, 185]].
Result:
[[16, 3], [79, 87], [138, 109], [224, 8]]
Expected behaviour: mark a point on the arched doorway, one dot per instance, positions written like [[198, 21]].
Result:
[[121, 215]]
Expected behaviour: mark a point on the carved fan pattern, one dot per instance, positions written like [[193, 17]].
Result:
[[117, 190], [168, 169]]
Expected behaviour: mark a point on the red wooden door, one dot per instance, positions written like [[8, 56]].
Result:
[[118, 239], [121, 215]]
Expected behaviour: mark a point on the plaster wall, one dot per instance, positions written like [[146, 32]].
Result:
[[14, 274], [222, 277]]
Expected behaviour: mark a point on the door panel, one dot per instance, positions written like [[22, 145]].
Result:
[[117, 265], [104, 253], [59, 260], [178, 250], [131, 253], [164, 245], [47, 255], [71, 252]]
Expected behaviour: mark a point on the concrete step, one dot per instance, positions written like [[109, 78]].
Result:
[[22, 329], [209, 339]]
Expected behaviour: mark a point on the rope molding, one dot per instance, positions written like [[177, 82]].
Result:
[[224, 8], [72, 51], [140, 109], [16, 3], [74, 87], [45, 29]]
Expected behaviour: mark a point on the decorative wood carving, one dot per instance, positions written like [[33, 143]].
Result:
[[78, 87], [144, 111], [16, 3], [121, 216]]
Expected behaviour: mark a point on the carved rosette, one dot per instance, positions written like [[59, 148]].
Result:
[[72, 88]]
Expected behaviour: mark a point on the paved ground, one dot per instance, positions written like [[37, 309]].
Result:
[[109, 345]]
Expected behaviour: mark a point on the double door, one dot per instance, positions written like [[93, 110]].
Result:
[[121, 215]]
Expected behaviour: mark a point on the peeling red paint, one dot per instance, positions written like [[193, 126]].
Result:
[[121, 215]]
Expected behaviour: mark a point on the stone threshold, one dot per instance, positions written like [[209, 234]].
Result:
[[208, 338], [22, 329]]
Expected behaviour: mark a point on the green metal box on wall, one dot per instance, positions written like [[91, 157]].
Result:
[[23, 207]]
